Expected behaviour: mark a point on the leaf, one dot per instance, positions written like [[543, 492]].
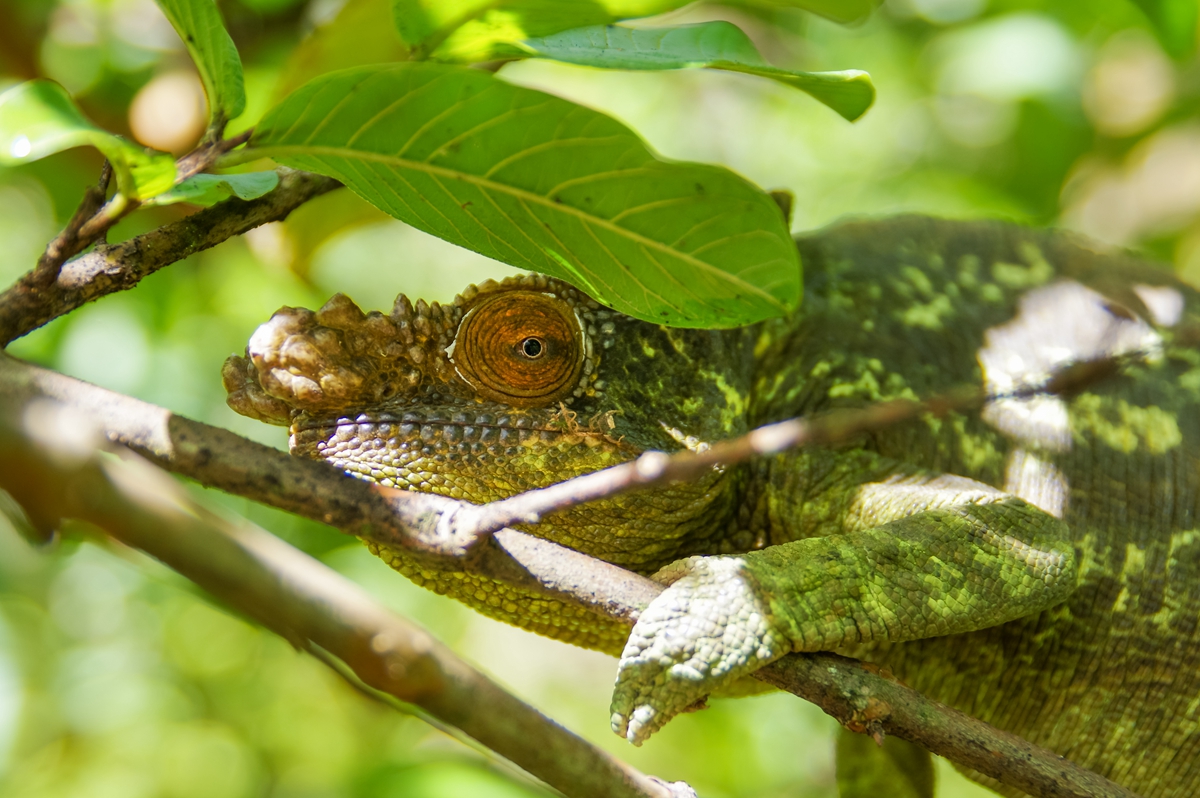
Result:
[[199, 24], [37, 119], [207, 190], [475, 30], [679, 47], [543, 184], [470, 30], [361, 33], [716, 45]]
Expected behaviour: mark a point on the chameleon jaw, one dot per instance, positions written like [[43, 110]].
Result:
[[474, 453]]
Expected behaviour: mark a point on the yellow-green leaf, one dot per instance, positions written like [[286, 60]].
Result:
[[716, 45], [203, 189], [38, 118], [199, 24]]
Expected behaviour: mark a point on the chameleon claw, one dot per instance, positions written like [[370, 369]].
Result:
[[705, 630]]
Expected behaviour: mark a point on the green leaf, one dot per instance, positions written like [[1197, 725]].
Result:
[[716, 45], [207, 190], [199, 25], [470, 30], [679, 47], [38, 119], [543, 184], [476, 30]]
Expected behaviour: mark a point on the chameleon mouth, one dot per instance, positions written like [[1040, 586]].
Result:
[[453, 428], [479, 456]]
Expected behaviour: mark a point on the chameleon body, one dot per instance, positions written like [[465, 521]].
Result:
[[1036, 565]]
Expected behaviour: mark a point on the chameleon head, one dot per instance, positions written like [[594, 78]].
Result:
[[509, 387]]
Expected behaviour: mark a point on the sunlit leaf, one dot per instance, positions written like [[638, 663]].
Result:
[[39, 119], [469, 30], [361, 33], [472, 30], [199, 25], [543, 184], [716, 45], [206, 190], [678, 47]]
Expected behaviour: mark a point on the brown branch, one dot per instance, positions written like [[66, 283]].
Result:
[[208, 153], [94, 217], [858, 697], [48, 461], [30, 303], [865, 700]]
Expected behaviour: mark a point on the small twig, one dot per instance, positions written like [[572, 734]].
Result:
[[847, 690], [66, 243], [207, 154], [106, 174], [653, 469], [94, 217], [28, 304]]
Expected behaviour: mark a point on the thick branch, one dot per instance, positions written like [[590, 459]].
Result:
[[852, 693], [33, 301], [48, 462]]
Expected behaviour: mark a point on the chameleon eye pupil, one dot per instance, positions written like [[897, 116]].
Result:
[[532, 348]]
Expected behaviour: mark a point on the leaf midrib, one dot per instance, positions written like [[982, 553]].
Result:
[[520, 193]]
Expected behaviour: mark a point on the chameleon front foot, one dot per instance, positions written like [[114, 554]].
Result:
[[708, 628]]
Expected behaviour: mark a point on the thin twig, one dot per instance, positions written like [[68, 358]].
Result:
[[852, 693], [28, 304], [94, 217], [207, 154], [654, 469]]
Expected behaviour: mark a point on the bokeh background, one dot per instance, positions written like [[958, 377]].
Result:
[[120, 680]]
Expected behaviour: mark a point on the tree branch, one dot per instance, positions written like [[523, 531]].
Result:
[[858, 696], [46, 293], [48, 460], [94, 217]]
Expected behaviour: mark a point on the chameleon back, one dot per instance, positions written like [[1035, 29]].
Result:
[[1109, 678]]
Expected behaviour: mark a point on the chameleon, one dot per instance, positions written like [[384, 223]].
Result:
[[1035, 564]]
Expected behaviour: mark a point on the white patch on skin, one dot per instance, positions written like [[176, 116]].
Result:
[[1037, 481], [1165, 304], [1056, 325]]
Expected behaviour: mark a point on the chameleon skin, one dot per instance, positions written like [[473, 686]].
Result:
[[1036, 566]]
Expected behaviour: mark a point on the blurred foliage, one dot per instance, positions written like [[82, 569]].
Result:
[[118, 679]]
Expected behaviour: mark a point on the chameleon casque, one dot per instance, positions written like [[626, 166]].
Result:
[[1036, 565]]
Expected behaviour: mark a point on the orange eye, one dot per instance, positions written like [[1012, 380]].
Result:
[[521, 348]]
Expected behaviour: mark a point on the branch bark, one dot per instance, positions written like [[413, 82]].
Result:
[[858, 696], [48, 461], [36, 299]]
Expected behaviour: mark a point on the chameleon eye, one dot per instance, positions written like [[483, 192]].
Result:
[[521, 348]]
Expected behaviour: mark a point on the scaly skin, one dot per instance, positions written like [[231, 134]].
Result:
[[1036, 566]]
